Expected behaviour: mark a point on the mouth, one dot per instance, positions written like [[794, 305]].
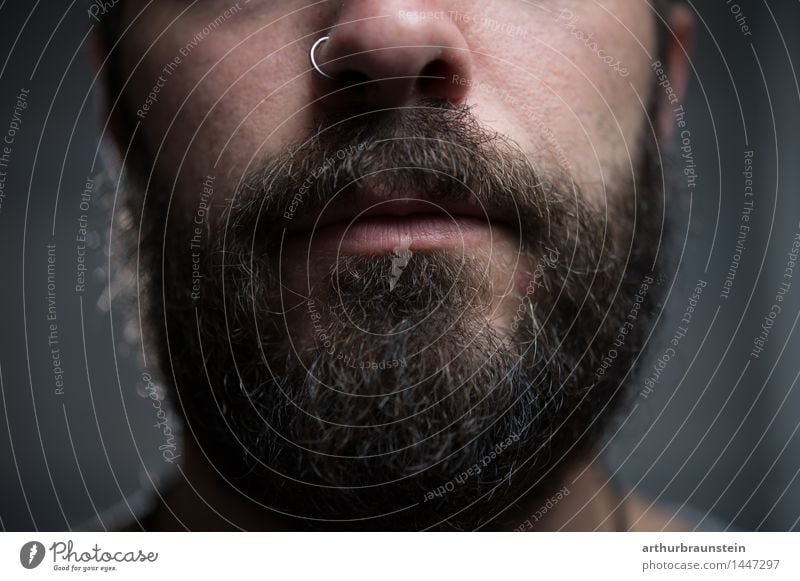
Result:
[[373, 225]]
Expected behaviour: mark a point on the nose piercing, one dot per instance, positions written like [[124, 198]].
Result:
[[314, 60]]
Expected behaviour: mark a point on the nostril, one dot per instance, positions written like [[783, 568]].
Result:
[[433, 76], [352, 77]]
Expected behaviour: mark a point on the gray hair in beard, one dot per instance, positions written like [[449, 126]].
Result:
[[471, 420]]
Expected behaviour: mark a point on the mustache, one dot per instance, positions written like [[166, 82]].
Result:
[[433, 151]]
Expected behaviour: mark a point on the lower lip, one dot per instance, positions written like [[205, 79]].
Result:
[[383, 235]]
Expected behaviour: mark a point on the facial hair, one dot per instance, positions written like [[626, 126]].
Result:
[[408, 410]]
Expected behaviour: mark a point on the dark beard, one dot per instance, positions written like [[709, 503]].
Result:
[[409, 410]]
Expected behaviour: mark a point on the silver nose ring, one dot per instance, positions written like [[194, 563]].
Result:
[[312, 57]]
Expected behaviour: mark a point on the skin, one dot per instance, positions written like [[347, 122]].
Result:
[[255, 68], [526, 69]]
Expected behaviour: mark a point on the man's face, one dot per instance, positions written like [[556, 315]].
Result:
[[390, 295]]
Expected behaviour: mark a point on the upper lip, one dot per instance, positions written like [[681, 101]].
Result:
[[370, 204]]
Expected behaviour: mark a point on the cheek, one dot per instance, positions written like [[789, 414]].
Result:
[[234, 97], [572, 90], [241, 93]]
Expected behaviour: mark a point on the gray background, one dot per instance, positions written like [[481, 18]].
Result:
[[719, 431]]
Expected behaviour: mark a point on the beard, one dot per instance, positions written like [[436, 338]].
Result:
[[380, 396]]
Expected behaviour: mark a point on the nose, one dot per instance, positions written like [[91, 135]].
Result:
[[386, 54]]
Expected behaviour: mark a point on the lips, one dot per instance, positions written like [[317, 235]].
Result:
[[372, 224]]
